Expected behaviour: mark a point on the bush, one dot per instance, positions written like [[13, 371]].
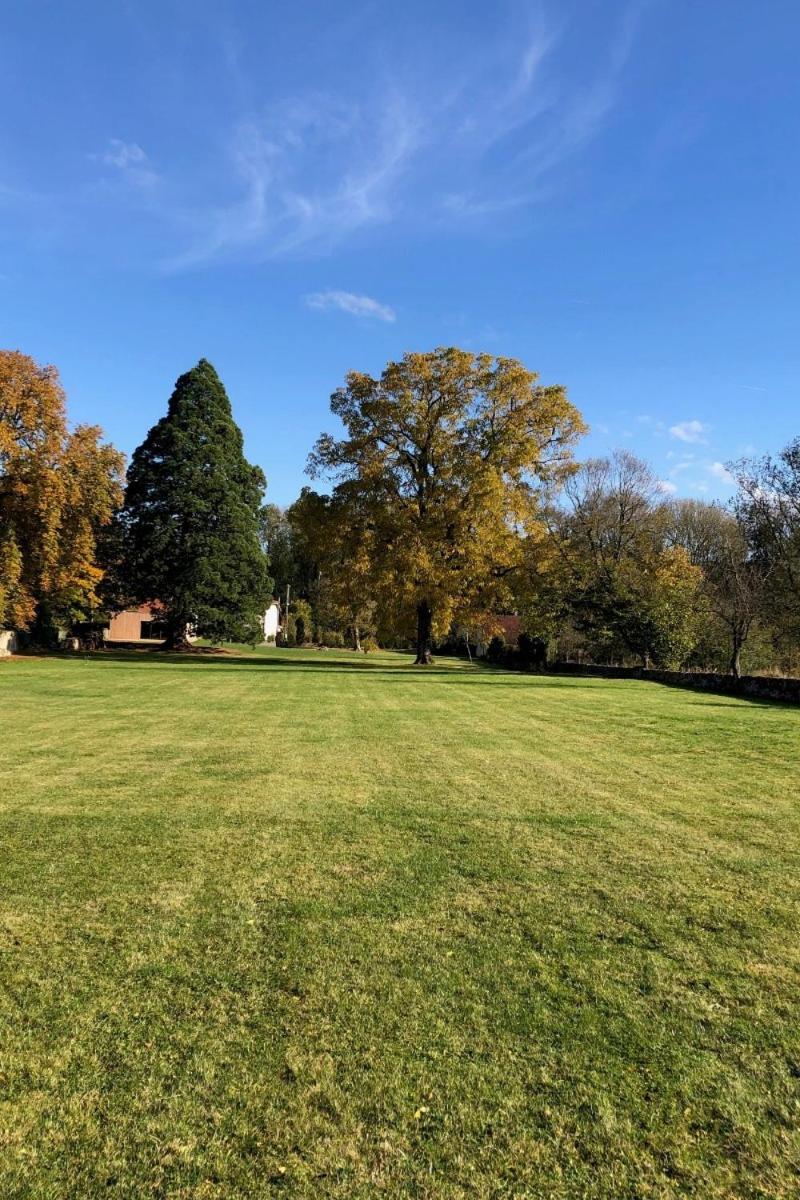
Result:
[[532, 652], [369, 644], [301, 618], [496, 649], [332, 638]]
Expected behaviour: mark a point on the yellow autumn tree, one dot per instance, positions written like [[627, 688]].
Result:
[[445, 456], [58, 487], [335, 535]]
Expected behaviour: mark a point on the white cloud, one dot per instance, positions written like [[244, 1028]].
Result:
[[721, 472], [312, 172], [423, 144], [464, 127], [689, 431], [349, 302], [130, 161], [685, 464], [652, 423], [123, 154], [667, 488]]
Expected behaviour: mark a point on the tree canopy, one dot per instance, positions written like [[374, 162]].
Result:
[[768, 509], [58, 489], [611, 569], [443, 461], [190, 525], [335, 536], [733, 580]]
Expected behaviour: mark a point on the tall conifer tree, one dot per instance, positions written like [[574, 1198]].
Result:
[[191, 519]]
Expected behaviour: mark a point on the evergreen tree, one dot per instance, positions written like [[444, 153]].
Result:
[[190, 526]]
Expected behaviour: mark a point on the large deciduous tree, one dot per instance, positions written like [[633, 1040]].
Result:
[[444, 457], [58, 489], [190, 526]]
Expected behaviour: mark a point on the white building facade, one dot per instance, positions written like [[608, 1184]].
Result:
[[272, 623]]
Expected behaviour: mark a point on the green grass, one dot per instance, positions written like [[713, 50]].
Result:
[[304, 925]]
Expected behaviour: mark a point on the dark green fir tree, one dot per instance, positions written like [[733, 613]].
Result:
[[190, 525]]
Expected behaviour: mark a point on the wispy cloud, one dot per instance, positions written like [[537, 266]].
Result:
[[689, 431], [653, 424], [516, 139], [123, 154], [666, 487], [686, 463], [721, 472], [130, 161], [349, 302], [310, 173], [457, 130], [464, 146]]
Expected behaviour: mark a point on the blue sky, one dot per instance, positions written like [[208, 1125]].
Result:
[[607, 189]]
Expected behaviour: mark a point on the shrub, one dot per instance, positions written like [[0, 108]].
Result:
[[496, 649], [303, 621], [532, 652], [332, 638]]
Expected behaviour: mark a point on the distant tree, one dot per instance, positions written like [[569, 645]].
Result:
[[768, 507], [334, 533], [733, 579], [659, 618], [445, 455], [622, 585], [278, 542], [190, 525], [58, 490]]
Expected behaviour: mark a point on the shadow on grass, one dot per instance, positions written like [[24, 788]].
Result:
[[255, 662], [447, 669]]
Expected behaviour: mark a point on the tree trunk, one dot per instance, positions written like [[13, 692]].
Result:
[[424, 625], [177, 637], [356, 638], [736, 657]]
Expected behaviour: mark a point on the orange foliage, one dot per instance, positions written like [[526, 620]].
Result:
[[57, 488]]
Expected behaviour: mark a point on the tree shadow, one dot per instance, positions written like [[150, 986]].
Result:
[[451, 671], [256, 662]]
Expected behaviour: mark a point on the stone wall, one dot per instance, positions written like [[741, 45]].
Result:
[[755, 687]]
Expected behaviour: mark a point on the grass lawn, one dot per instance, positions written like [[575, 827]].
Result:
[[302, 924]]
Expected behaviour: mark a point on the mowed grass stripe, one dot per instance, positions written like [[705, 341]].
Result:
[[300, 923]]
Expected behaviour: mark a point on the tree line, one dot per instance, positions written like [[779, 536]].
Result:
[[452, 495]]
